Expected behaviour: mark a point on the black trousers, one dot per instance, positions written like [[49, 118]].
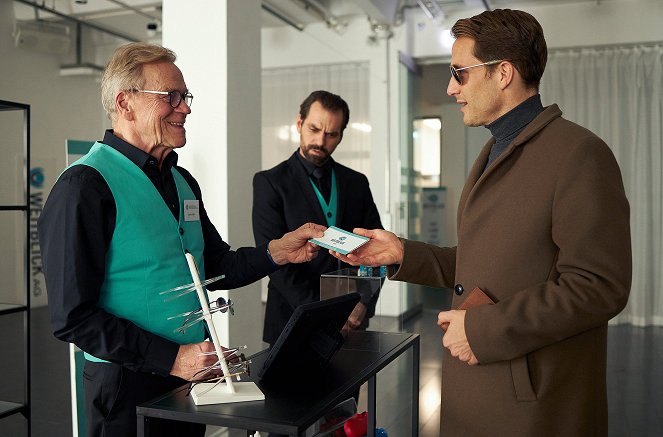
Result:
[[112, 394]]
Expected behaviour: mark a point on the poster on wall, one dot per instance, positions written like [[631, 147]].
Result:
[[43, 173], [433, 215]]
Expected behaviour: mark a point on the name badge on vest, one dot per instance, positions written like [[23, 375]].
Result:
[[191, 211]]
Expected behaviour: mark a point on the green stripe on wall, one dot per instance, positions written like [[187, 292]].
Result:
[[80, 394], [77, 147]]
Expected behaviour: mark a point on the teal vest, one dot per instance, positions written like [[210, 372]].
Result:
[[146, 253]]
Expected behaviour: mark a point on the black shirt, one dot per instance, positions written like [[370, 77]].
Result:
[[75, 230], [324, 183]]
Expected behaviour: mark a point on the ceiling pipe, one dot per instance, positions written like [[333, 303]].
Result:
[[136, 10], [322, 11], [281, 16], [331, 19], [475, 3], [76, 20]]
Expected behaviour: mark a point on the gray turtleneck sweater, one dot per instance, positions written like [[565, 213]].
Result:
[[506, 128]]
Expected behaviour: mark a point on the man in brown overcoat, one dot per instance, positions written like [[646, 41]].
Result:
[[543, 231]]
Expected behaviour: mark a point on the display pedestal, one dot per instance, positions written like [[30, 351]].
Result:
[[244, 391]]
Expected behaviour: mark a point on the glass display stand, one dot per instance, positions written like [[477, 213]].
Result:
[[368, 283]]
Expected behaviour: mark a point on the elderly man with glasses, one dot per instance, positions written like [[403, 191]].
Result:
[[543, 258], [114, 233]]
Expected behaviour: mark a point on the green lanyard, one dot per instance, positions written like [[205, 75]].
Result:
[[328, 209]]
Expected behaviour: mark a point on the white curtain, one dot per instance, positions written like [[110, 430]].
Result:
[[283, 90], [618, 94]]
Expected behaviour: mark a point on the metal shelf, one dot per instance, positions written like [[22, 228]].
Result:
[[8, 408], [8, 308], [11, 408]]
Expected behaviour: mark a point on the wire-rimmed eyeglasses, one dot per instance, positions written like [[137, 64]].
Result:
[[195, 316], [174, 97], [454, 71]]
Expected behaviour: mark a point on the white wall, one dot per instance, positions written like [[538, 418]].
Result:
[[61, 108]]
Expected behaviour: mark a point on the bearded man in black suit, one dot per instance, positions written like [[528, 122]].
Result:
[[311, 187]]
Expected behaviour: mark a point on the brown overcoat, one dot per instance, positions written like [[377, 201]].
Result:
[[545, 232]]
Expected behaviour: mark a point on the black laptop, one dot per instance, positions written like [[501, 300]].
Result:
[[309, 340]]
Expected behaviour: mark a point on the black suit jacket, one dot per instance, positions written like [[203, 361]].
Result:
[[283, 200]]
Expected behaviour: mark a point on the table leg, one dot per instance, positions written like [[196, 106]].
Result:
[[140, 425], [370, 424], [415, 388]]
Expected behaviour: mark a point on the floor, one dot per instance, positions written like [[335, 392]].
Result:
[[635, 378]]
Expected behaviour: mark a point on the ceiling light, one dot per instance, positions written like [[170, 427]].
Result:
[[446, 39], [362, 127]]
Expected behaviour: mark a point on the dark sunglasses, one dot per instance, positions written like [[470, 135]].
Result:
[[454, 71]]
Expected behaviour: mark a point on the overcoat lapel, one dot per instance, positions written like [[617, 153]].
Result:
[[477, 174], [473, 178]]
